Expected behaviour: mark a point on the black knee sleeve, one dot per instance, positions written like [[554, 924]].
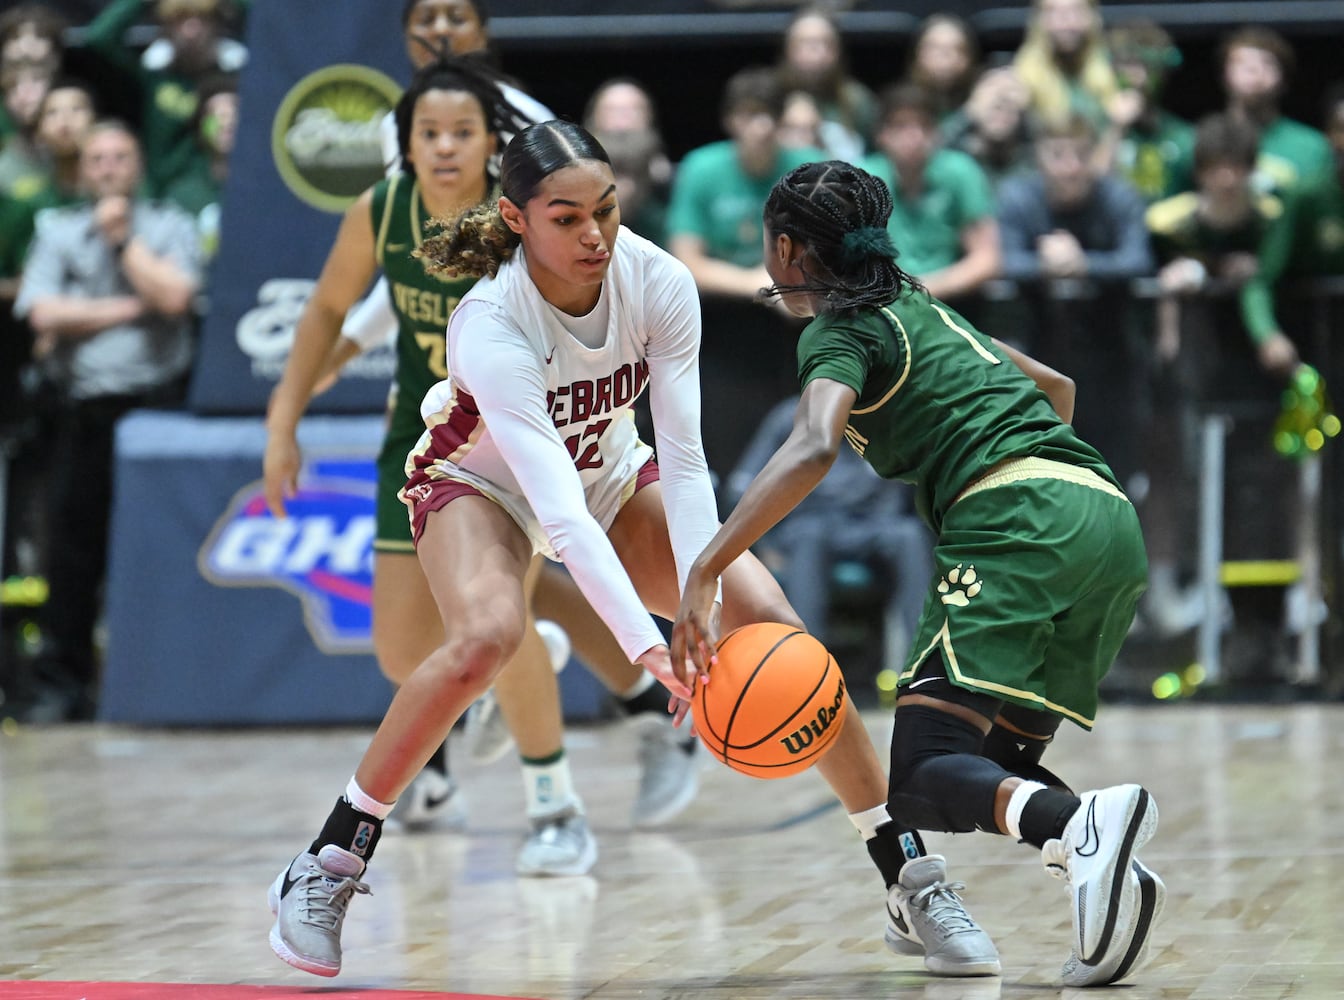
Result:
[[1021, 755], [939, 780]]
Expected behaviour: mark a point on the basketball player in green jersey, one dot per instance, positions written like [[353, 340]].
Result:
[[448, 123], [1039, 559]]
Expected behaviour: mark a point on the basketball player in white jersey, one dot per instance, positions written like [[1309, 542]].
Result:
[[669, 779]]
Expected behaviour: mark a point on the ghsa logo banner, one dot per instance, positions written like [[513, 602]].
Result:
[[322, 552]]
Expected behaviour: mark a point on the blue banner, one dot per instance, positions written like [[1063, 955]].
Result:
[[322, 553], [322, 74], [218, 613]]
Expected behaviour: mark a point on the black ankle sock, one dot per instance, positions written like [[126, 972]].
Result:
[[652, 699], [891, 848], [350, 830], [1045, 815]]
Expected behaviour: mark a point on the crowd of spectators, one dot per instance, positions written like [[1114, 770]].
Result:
[[1034, 190], [105, 228]]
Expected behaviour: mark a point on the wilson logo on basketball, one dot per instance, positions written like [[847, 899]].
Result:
[[800, 739]]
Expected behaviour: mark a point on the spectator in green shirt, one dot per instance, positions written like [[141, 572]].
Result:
[[943, 210], [200, 190], [1205, 242], [714, 221], [64, 115], [1307, 240], [1257, 64], [191, 48], [714, 227], [1144, 142]]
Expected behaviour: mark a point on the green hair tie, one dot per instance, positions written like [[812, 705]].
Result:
[[858, 245]]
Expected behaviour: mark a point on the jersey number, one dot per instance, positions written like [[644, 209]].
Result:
[[592, 455], [435, 346]]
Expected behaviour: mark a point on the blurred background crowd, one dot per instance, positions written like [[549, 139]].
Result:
[[1154, 208]]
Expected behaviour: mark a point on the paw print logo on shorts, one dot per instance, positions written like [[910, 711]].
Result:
[[959, 586]]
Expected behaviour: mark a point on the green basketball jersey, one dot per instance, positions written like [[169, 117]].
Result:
[[422, 301], [938, 403]]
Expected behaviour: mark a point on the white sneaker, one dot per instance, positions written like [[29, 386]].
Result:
[[925, 916], [488, 736], [1094, 857], [669, 770], [433, 800], [1121, 962], [309, 900], [559, 844]]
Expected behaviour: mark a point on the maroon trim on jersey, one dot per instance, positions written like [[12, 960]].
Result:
[[449, 437], [648, 473], [425, 496]]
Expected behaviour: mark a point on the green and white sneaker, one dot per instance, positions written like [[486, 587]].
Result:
[[559, 844]]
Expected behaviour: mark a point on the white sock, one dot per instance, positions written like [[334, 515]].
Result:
[[365, 802], [869, 820], [549, 788], [638, 688], [1016, 803]]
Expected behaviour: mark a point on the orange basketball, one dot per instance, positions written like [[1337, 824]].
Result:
[[774, 703]]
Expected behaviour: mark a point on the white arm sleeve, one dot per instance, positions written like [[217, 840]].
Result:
[[506, 379], [674, 399], [372, 322]]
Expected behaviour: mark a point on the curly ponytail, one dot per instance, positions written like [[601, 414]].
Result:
[[473, 246]]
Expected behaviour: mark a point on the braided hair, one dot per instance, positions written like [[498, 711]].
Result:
[[481, 242], [838, 212]]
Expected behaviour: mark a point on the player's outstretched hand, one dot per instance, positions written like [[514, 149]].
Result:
[[280, 470], [657, 661]]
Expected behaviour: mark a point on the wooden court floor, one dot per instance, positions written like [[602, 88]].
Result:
[[144, 856]]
